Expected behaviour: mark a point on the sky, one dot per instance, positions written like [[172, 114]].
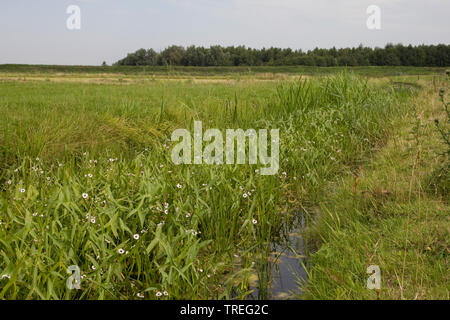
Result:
[[35, 31]]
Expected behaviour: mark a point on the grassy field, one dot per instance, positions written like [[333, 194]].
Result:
[[86, 179], [233, 72], [392, 211]]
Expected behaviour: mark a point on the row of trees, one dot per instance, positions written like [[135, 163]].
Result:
[[390, 55]]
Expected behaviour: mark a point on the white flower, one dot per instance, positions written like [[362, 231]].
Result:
[[245, 195], [22, 190], [188, 215], [6, 276], [255, 221], [9, 182], [85, 195], [165, 293], [136, 237], [35, 214], [158, 294], [93, 267], [140, 295], [201, 270], [37, 159], [166, 211], [121, 251], [179, 186], [90, 175], [93, 220]]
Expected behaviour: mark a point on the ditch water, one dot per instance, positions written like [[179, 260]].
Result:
[[284, 268]]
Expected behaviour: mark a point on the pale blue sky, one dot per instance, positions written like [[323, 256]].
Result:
[[35, 32]]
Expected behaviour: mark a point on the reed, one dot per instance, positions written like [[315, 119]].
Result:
[[86, 179]]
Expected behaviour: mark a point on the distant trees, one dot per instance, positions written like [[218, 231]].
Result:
[[173, 55], [390, 55]]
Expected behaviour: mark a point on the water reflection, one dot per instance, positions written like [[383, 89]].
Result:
[[278, 278]]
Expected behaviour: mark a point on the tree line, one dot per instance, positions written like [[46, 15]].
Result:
[[390, 55]]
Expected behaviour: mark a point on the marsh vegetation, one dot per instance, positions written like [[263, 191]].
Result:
[[86, 179]]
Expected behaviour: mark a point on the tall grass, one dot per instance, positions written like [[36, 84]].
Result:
[[382, 215], [87, 180]]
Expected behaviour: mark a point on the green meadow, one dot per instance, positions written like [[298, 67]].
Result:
[[86, 179], [232, 71]]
